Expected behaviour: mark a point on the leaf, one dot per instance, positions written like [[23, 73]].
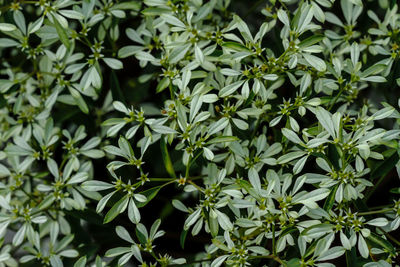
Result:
[[162, 84], [118, 207], [332, 253], [290, 156], [315, 62], [383, 113], [254, 179], [325, 118], [292, 136], [166, 158], [172, 20], [81, 262], [222, 139], [6, 42], [236, 46], [330, 200], [7, 27], [311, 40], [374, 69], [385, 166], [381, 242], [95, 185], [149, 194], [113, 63], [182, 238], [62, 33], [283, 17], [230, 89]]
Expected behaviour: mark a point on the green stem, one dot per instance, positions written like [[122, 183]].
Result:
[[273, 240], [171, 90], [374, 212], [336, 98]]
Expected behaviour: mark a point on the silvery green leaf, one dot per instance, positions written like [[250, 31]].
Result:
[[192, 218], [290, 156], [298, 167], [219, 261], [224, 221], [7, 27], [113, 63], [20, 20], [315, 62], [362, 247], [292, 136], [199, 54], [208, 153], [96, 185], [133, 212], [254, 179], [325, 118], [229, 89], [383, 113], [72, 14], [172, 20], [283, 17], [218, 126], [163, 129], [380, 222], [332, 253], [305, 83], [6, 42]]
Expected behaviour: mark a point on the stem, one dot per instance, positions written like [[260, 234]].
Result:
[[273, 240], [31, 198], [393, 239], [374, 212], [171, 90], [188, 168], [195, 185], [336, 98], [273, 257]]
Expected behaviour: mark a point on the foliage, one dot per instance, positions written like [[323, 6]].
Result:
[[273, 131]]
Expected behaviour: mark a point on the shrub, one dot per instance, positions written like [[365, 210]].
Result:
[[269, 131]]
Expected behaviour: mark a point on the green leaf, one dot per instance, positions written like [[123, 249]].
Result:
[[236, 46], [166, 158], [374, 69], [293, 263], [7, 27], [62, 33], [154, 11], [315, 62], [311, 40], [222, 139], [150, 194], [118, 207], [162, 84], [290, 156], [182, 238], [46, 202], [385, 166], [383, 243], [330, 200], [81, 262]]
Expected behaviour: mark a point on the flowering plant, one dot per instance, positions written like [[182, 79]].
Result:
[[258, 136]]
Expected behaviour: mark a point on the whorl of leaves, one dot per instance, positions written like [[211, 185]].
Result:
[[268, 129]]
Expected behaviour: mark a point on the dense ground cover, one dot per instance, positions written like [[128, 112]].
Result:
[[199, 133]]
